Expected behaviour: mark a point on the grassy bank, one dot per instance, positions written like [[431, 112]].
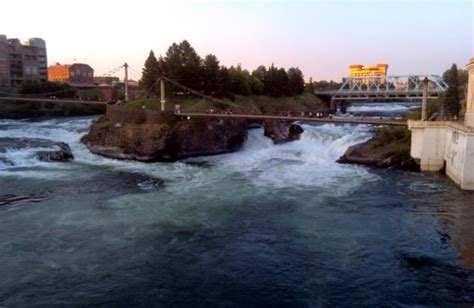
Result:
[[16, 109], [257, 104], [397, 141]]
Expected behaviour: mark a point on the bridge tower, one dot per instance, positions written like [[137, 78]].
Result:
[[125, 66], [424, 101], [162, 93]]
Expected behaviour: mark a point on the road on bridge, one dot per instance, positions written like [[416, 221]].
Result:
[[352, 120]]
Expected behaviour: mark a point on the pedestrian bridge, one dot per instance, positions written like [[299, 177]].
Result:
[[409, 87], [291, 117]]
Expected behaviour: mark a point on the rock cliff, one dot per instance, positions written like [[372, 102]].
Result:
[[384, 156], [167, 141], [281, 132]]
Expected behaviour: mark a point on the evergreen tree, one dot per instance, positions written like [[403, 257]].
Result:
[[282, 83], [211, 71], [149, 75], [295, 81], [224, 85], [451, 101], [269, 83], [256, 85], [184, 66], [239, 80], [260, 73]]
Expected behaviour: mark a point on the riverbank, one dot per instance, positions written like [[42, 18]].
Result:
[[18, 110]]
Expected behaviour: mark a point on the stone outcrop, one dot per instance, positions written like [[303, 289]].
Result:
[[63, 154], [281, 132], [164, 141], [381, 156], [60, 151]]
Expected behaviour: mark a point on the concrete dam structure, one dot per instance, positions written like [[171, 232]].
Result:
[[449, 144]]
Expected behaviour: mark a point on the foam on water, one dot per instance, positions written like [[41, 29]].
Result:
[[382, 107], [307, 162]]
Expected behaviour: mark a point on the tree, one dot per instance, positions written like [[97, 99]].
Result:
[[269, 84], [295, 81], [256, 85], [260, 73], [451, 101], [211, 72], [239, 80], [282, 83], [49, 88], [224, 85], [149, 75], [326, 85], [184, 65]]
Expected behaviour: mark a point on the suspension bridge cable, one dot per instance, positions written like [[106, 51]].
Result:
[[213, 99]]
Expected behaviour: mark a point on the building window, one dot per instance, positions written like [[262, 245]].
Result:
[[72, 73]]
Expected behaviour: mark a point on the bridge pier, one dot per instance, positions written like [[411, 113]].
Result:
[[333, 105]]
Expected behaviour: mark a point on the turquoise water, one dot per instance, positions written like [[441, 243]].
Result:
[[271, 225]]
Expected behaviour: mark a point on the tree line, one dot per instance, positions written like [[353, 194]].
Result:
[[183, 65], [452, 99]]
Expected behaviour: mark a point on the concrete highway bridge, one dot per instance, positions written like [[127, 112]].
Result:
[[386, 88]]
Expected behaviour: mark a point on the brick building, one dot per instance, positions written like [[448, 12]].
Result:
[[77, 74]]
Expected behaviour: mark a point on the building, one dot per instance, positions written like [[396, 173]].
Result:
[[448, 145], [359, 70], [22, 62], [76, 75], [108, 80]]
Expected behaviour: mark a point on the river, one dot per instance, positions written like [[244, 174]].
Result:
[[271, 225]]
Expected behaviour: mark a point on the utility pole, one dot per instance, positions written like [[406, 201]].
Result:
[[162, 92], [424, 102], [126, 81]]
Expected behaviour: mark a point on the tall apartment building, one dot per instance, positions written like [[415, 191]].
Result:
[[359, 70], [22, 62]]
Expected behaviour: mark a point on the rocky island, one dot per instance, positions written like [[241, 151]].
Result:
[[389, 148], [151, 136], [159, 139]]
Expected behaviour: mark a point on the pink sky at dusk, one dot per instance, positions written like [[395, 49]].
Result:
[[320, 37]]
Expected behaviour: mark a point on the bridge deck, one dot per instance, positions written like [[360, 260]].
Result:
[[353, 120], [49, 100]]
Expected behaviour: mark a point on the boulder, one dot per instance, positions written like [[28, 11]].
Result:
[[165, 142], [281, 132], [59, 151], [63, 154], [382, 156]]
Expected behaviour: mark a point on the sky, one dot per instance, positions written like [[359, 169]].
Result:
[[320, 37]]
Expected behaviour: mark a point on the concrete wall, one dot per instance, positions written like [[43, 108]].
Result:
[[428, 144], [435, 143], [459, 157]]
